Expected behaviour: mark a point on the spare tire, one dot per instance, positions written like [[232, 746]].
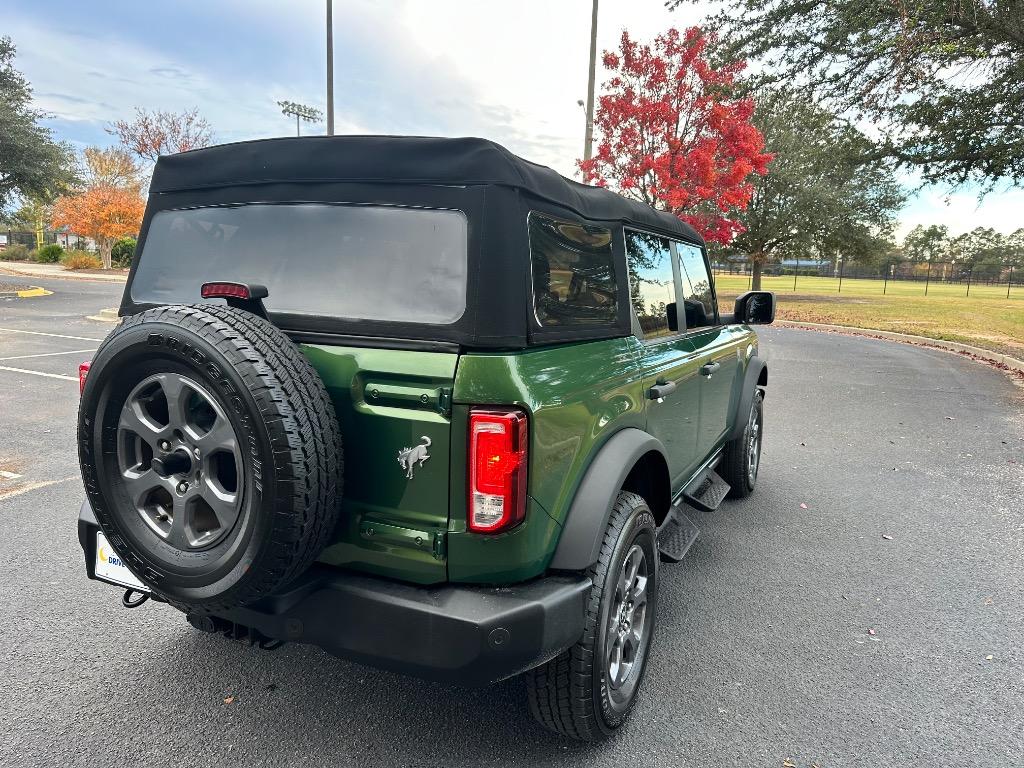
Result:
[[211, 454]]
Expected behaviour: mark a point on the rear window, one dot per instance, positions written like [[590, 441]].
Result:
[[344, 261], [573, 278]]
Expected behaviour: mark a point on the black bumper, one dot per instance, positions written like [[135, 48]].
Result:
[[459, 634]]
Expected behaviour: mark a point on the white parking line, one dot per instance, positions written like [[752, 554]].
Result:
[[49, 354], [54, 335], [38, 373], [20, 489]]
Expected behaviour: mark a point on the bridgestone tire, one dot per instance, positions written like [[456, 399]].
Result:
[[571, 694], [734, 468], [287, 491]]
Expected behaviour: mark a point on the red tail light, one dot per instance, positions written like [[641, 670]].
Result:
[[224, 291], [497, 470], [83, 371]]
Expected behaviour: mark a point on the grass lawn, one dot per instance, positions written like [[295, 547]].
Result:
[[985, 319]]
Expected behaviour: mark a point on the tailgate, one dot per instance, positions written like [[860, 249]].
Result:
[[394, 407]]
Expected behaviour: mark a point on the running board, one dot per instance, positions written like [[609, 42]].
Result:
[[706, 491], [676, 535]]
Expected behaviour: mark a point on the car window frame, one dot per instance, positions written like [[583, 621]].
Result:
[[678, 289], [711, 281]]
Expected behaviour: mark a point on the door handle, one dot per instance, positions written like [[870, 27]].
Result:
[[709, 368], [660, 391]]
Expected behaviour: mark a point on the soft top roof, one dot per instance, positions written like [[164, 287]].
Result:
[[415, 160]]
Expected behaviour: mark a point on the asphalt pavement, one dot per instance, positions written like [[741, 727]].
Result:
[[865, 606]]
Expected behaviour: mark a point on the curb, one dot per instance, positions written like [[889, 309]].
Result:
[[1001, 361], [105, 315], [28, 293], [7, 269]]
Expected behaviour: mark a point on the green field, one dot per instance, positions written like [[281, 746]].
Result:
[[985, 319]]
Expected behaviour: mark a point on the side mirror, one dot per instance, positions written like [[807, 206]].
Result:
[[696, 315], [755, 308], [673, 317]]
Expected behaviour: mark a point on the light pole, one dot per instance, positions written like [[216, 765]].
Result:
[[588, 137], [301, 112], [330, 68]]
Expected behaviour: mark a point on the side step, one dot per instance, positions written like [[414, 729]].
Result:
[[706, 492], [676, 535]]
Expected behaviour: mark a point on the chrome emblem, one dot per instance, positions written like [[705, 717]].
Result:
[[411, 457]]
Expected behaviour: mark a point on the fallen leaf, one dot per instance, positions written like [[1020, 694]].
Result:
[[229, 699], [803, 506], [887, 537], [787, 764]]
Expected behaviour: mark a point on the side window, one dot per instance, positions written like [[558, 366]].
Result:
[[573, 274], [652, 286], [698, 298]]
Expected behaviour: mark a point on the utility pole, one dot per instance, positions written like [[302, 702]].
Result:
[[588, 138], [330, 68]]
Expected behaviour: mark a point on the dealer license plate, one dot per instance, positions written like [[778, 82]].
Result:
[[110, 568]]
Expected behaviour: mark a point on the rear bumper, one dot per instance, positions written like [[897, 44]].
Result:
[[465, 635]]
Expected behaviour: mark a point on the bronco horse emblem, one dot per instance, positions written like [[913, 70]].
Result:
[[410, 457]]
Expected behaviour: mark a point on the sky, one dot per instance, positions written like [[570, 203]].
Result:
[[510, 71]]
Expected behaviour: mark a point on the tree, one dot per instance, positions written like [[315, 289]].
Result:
[[982, 245], [111, 165], [103, 213], [671, 137], [823, 193], [152, 134], [110, 205], [942, 79], [33, 214], [32, 164], [929, 243]]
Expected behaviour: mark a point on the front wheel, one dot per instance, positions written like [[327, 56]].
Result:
[[588, 691], [741, 459]]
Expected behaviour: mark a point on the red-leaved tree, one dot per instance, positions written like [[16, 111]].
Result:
[[671, 136]]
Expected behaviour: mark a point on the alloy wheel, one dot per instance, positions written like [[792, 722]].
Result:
[[625, 634], [179, 461]]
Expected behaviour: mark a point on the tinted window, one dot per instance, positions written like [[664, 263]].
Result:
[[573, 278], [652, 289], [697, 295], [363, 262]]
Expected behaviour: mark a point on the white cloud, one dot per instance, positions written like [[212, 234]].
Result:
[[1003, 211]]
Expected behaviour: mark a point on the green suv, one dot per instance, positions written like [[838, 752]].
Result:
[[418, 402]]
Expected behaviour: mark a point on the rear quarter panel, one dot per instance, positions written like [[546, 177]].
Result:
[[577, 396]]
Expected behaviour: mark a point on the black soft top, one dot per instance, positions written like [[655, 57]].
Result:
[[405, 160], [496, 190]]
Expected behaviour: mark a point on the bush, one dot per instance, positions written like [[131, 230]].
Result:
[[123, 252], [15, 252], [81, 260], [48, 254]]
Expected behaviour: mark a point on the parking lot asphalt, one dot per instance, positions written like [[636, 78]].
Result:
[[865, 606]]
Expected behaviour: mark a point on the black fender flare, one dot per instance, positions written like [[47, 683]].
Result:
[[580, 543], [750, 383]]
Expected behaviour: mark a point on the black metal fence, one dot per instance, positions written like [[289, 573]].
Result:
[[28, 239], [899, 277]]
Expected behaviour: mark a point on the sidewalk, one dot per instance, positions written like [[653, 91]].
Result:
[[31, 269]]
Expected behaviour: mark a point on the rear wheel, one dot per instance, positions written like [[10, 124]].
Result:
[[588, 691], [741, 459]]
